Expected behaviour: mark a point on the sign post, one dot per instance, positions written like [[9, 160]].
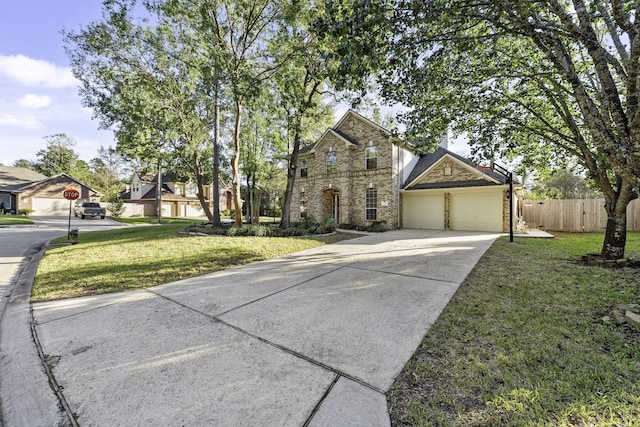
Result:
[[70, 194]]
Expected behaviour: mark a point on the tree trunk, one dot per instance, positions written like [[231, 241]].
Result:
[[285, 222], [235, 167], [159, 193], [615, 237], [216, 159]]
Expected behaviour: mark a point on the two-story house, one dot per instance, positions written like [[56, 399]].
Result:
[[354, 173], [358, 173], [179, 199]]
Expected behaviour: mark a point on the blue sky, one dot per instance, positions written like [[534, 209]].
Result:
[[38, 93]]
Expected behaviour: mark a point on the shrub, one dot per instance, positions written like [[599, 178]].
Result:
[[115, 206], [326, 225], [25, 211], [250, 230]]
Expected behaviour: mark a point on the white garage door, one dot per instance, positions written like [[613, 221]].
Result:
[[423, 211], [46, 207], [477, 211]]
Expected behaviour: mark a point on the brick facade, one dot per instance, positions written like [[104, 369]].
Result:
[[449, 171], [342, 194]]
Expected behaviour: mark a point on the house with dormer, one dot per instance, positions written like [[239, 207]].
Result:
[[359, 173], [178, 198]]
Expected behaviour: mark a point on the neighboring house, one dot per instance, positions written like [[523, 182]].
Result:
[[179, 199], [359, 174], [22, 188]]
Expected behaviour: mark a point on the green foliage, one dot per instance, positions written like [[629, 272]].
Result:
[[374, 227], [115, 206], [25, 211], [138, 257], [523, 343], [325, 225], [59, 157], [547, 84], [562, 185], [14, 220]]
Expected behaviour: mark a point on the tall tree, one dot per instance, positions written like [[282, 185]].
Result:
[[140, 80], [541, 80], [58, 157], [237, 34], [301, 83]]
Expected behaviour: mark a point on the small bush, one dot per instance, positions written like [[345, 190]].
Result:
[[250, 230], [25, 211], [374, 227], [115, 206], [326, 225]]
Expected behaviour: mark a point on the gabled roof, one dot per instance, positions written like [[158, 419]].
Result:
[[69, 177], [21, 179], [352, 113], [310, 149], [13, 179], [426, 161]]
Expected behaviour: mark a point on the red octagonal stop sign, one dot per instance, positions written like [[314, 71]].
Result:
[[71, 194]]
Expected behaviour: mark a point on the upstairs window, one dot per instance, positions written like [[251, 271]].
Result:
[[191, 189], [303, 169], [371, 204], [371, 158], [331, 162]]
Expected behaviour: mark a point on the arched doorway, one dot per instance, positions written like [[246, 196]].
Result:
[[331, 204]]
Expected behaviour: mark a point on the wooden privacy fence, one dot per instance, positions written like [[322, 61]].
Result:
[[574, 214]]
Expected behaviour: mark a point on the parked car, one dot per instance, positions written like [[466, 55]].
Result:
[[85, 209]]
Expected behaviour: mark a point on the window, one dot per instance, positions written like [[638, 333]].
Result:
[[371, 158], [371, 204], [331, 162], [191, 189], [303, 205], [303, 169]]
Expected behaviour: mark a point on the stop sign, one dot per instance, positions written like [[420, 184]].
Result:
[[71, 194]]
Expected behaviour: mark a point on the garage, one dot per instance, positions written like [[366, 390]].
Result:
[[423, 210], [49, 206], [479, 210]]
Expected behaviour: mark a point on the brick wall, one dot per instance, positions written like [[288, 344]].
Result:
[[351, 179]]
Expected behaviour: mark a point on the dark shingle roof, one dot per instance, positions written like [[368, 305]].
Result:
[[13, 179], [427, 160]]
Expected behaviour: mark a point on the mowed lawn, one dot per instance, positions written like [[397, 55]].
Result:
[[138, 257], [523, 343], [14, 220]]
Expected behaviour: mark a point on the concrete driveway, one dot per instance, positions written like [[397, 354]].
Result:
[[313, 338]]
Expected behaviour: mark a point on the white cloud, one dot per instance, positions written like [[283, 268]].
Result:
[[24, 122], [34, 101], [36, 72]]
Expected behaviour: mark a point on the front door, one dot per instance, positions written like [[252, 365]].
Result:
[[335, 207]]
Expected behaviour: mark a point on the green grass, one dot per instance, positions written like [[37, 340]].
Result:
[[523, 343], [138, 257], [141, 220], [14, 220]]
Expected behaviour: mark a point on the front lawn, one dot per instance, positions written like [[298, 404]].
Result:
[[14, 220], [138, 257], [523, 343]]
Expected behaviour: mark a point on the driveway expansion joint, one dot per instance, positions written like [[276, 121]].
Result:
[[316, 408], [275, 345]]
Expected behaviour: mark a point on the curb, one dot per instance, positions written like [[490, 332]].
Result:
[[27, 400]]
